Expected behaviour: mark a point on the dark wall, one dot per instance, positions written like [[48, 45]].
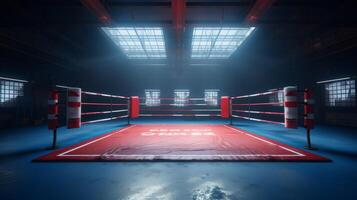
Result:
[[338, 66]]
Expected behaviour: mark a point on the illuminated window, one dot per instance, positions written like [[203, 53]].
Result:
[[152, 97], [181, 97], [9, 91], [217, 42], [211, 97], [341, 93], [139, 42]]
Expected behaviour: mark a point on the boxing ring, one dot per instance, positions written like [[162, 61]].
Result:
[[186, 142]]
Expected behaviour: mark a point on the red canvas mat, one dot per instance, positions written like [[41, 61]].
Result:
[[180, 142]]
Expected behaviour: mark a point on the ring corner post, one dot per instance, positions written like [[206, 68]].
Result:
[[74, 108], [290, 107], [308, 140], [129, 111], [134, 107], [225, 107], [230, 111], [308, 117], [54, 141], [53, 115]]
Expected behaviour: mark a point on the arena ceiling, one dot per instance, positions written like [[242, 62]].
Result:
[[70, 32]]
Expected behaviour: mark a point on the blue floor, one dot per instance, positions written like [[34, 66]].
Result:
[[22, 179]]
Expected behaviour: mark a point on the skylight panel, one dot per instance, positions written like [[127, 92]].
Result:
[[139, 42], [217, 42]]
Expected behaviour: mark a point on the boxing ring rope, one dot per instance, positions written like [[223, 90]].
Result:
[[259, 104], [178, 108], [104, 95], [191, 110], [172, 104], [226, 108], [104, 104], [74, 113], [105, 119], [287, 123], [234, 107], [178, 98], [258, 120], [274, 91], [259, 112], [103, 112], [290, 105], [180, 115], [111, 104]]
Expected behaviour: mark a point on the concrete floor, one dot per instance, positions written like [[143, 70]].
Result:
[[22, 179]]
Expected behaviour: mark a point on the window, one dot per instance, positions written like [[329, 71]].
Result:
[[152, 97], [217, 42], [10, 89], [341, 93], [139, 42], [211, 97], [181, 97]]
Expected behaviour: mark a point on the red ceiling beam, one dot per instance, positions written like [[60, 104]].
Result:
[[178, 11], [178, 21], [96, 7], [258, 9]]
